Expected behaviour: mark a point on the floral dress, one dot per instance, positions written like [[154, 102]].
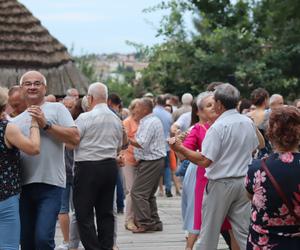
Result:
[[9, 167], [271, 224]]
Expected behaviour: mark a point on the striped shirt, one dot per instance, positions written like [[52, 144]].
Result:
[[150, 136]]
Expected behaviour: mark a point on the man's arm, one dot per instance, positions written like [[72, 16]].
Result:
[[193, 156], [134, 143], [68, 135]]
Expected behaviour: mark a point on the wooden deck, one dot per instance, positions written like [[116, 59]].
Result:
[[171, 238]]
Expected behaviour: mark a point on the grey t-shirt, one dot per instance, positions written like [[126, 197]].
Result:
[[49, 166]]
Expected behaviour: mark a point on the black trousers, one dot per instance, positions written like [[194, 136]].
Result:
[[94, 186]]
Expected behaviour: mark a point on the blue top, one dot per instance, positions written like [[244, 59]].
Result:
[[271, 222], [166, 119], [10, 183]]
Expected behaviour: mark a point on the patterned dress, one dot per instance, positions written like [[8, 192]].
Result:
[[9, 167], [271, 224]]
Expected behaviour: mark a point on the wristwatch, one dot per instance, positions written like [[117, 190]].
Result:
[[47, 126]]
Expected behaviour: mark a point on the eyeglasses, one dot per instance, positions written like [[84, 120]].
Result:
[[35, 84]]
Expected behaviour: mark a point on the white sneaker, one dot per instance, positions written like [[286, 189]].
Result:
[[63, 246]]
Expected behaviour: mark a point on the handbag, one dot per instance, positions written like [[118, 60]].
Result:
[[279, 190]]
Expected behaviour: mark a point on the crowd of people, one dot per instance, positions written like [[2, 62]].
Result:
[[80, 161]]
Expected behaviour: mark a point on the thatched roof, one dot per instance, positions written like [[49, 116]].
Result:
[[25, 45]]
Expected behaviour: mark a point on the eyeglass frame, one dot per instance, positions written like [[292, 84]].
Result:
[[35, 84]]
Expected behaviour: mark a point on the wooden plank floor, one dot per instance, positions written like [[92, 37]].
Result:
[[171, 238]]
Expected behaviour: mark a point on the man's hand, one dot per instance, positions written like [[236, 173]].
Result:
[[175, 143], [37, 113], [120, 160]]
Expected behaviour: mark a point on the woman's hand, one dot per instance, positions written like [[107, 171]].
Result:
[[37, 115], [175, 143]]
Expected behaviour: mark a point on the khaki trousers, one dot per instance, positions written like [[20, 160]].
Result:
[[129, 176], [143, 192]]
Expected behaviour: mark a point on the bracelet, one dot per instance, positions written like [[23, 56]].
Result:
[[34, 126]]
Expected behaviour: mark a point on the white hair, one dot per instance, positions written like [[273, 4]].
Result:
[[274, 97], [84, 104], [99, 91], [3, 96], [187, 99], [33, 71], [70, 90], [203, 96]]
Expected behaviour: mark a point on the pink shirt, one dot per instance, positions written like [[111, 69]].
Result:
[[194, 142]]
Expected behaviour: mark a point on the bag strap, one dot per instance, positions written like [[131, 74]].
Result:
[[279, 190]]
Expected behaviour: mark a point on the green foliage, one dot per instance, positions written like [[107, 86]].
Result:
[[249, 43], [124, 90]]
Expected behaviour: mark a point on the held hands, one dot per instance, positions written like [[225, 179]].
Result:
[[120, 160], [38, 116], [175, 143]]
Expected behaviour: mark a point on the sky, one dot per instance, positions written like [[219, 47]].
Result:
[[98, 26]]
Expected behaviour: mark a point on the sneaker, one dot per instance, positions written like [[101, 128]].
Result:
[[169, 194], [120, 210], [63, 246]]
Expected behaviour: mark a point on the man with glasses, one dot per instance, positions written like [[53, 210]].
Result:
[[43, 176]]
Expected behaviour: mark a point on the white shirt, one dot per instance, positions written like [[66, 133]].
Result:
[[184, 121], [229, 144], [100, 134]]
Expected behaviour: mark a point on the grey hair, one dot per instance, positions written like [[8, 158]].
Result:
[[3, 96], [99, 91], [147, 103], [69, 98], [228, 95], [187, 99], [84, 104], [274, 97], [133, 104], [69, 91], [28, 72], [201, 97]]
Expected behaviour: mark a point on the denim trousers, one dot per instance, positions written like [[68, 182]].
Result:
[[120, 191], [39, 207], [9, 223], [167, 174]]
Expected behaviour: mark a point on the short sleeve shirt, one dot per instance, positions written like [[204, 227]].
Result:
[[229, 144], [184, 121], [101, 134], [49, 166], [150, 136]]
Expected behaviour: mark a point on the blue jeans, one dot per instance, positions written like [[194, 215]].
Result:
[[182, 168], [9, 223], [65, 199], [39, 207], [167, 174], [120, 192]]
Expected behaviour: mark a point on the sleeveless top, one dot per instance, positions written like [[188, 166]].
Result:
[[10, 183]]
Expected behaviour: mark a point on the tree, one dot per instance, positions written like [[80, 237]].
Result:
[[250, 44]]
